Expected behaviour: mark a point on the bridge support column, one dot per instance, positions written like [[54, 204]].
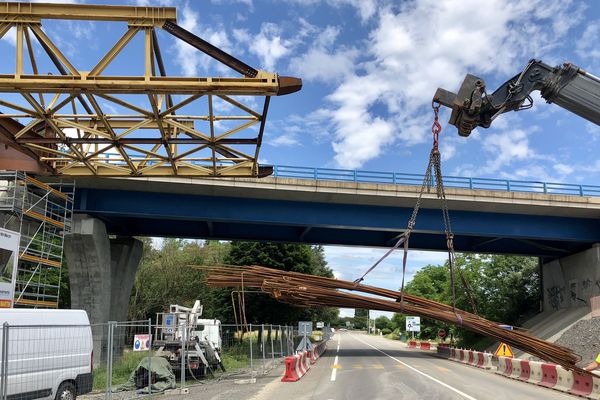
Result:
[[101, 270], [571, 281]]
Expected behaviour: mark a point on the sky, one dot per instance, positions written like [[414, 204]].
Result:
[[370, 69]]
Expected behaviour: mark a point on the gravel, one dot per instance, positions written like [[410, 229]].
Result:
[[584, 339]]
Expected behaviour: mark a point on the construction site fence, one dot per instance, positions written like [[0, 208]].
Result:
[[105, 356]]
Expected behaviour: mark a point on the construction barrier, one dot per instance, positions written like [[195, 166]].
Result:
[[549, 375], [525, 371], [293, 371], [412, 344], [582, 384], [297, 366], [535, 372], [425, 345], [515, 368], [505, 366], [565, 379]]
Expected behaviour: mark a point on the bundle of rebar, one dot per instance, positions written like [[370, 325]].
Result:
[[305, 290]]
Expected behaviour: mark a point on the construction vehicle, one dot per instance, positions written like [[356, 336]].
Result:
[[181, 332], [568, 86]]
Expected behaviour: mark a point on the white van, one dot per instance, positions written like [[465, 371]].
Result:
[[50, 354]]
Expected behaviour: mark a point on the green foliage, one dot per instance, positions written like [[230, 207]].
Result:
[[384, 323], [505, 289], [165, 276], [260, 308]]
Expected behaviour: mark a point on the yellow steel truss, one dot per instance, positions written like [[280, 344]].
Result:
[[68, 120]]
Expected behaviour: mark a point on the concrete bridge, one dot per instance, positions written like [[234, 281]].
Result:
[[548, 225]]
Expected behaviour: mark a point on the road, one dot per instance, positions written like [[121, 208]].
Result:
[[357, 366]]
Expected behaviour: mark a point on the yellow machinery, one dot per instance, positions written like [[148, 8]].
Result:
[[84, 123]]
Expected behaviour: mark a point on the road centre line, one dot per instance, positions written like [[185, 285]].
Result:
[[466, 396], [334, 368]]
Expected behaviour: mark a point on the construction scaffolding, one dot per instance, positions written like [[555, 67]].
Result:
[[42, 214]]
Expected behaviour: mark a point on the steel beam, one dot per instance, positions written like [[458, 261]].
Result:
[[10, 11]]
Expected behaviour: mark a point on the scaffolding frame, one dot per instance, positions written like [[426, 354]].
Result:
[[42, 214]]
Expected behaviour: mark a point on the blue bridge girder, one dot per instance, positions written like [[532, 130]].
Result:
[[169, 210]]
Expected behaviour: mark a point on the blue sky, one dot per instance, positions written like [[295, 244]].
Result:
[[370, 69]]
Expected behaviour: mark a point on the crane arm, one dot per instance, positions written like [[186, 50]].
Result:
[[568, 86]]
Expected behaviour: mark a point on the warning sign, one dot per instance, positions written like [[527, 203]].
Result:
[[141, 342], [503, 350]]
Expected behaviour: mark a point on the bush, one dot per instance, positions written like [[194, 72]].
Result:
[[386, 331]]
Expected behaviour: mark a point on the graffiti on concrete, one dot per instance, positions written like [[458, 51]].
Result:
[[587, 283], [556, 296]]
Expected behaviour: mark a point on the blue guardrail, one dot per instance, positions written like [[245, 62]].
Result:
[[399, 178]]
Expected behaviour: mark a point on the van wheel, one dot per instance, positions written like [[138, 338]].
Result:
[[66, 391]]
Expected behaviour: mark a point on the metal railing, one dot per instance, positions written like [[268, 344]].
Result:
[[462, 182], [118, 357]]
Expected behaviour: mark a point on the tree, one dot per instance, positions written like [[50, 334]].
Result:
[[165, 276], [260, 308], [505, 289], [382, 322]]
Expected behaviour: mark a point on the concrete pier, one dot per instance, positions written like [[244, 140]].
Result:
[[101, 270]]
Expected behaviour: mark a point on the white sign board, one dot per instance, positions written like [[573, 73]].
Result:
[[413, 324], [9, 256], [320, 325], [141, 342], [305, 328]]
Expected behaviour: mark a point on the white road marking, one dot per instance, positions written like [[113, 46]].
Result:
[[334, 369], [466, 396]]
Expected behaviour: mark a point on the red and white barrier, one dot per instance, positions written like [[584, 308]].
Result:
[[297, 366], [293, 371], [535, 372]]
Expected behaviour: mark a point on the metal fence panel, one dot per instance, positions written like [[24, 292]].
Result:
[[43, 360]]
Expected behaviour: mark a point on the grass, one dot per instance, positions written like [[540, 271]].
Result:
[[122, 368], [235, 361]]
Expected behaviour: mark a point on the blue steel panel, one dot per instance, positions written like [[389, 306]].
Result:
[[178, 207]]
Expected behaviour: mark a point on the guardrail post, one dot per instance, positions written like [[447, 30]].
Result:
[[110, 354], [250, 341], [354, 175], [280, 342], [183, 351], [272, 348], [471, 183], [4, 369], [508, 186], [581, 190], [275, 170], [316, 174], [262, 344], [545, 188], [150, 356]]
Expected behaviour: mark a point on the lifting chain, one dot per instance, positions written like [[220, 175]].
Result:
[[433, 176]]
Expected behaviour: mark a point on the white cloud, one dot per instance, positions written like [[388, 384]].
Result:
[[322, 62], [427, 44], [587, 45], [364, 8], [268, 45], [191, 61]]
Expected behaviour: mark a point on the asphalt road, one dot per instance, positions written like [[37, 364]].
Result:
[[357, 366]]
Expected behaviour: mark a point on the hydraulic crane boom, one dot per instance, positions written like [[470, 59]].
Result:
[[568, 86]]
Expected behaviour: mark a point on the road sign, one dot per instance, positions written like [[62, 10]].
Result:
[[507, 327], [413, 324], [442, 333], [305, 328], [141, 342], [320, 325], [503, 350], [169, 323]]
